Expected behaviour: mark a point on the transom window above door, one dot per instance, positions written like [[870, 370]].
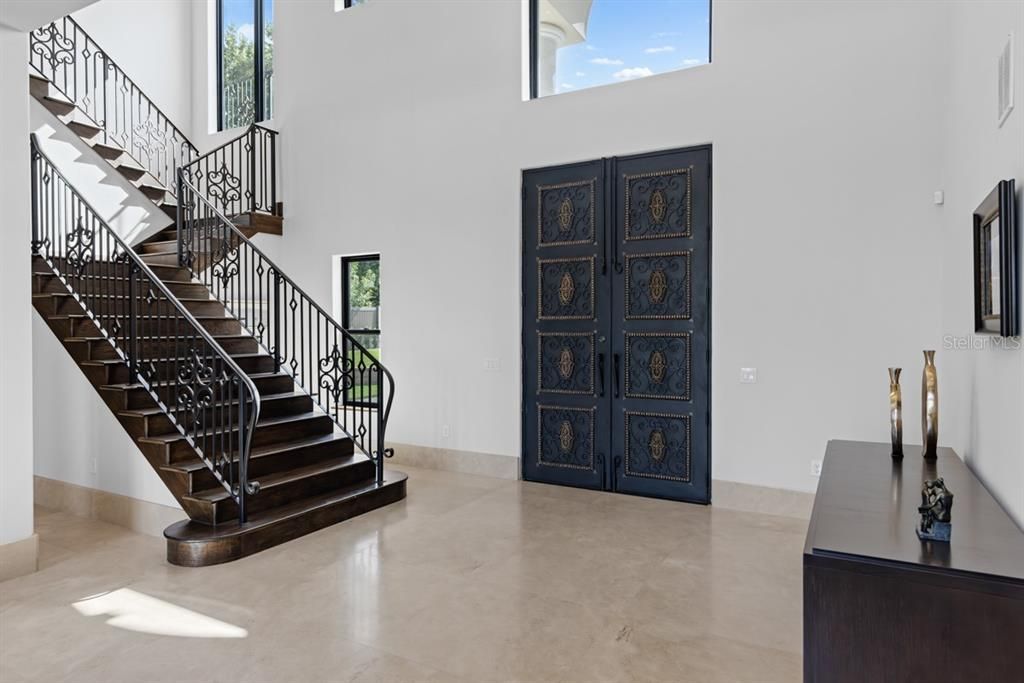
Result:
[[245, 62], [578, 44]]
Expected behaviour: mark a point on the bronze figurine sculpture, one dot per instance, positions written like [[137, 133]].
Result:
[[936, 508], [896, 412]]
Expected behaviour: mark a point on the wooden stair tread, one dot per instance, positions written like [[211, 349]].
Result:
[[218, 337], [264, 398], [193, 544], [270, 449], [235, 356], [185, 299], [59, 99], [269, 481], [78, 316], [262, 422]]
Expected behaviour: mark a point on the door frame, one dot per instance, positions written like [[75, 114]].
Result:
[[610, 210]]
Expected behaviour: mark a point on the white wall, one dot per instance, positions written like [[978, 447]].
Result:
[[16, 388], [151, 41], [131, 215], [403, 132], [982, 399], [90, 448]]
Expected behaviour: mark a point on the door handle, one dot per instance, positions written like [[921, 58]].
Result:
[[600, 373], [615, 369]]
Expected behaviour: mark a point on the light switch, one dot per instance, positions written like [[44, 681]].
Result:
[[748, 375]]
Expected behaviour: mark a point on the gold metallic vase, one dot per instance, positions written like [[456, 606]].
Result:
[[896, 412], [930, 407]]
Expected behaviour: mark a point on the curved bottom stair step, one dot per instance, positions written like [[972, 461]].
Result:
[[191, 544]]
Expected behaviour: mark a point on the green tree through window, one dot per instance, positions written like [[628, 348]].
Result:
[[239, 62]]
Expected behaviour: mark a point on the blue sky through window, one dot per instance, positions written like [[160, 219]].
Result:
[[629, 39]]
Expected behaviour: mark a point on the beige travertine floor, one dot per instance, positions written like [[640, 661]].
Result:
[[470, 579]]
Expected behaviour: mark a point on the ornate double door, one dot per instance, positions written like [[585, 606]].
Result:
[[616, 324]]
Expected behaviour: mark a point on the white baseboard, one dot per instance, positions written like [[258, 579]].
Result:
[[761, 500], [19, 558], [131, 513], [466, 462], [725, 494]]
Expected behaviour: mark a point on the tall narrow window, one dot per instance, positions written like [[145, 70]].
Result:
[[245, 60], [577, 44], [360, 315]]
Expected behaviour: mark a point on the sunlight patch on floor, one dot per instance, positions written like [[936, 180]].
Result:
[[134, 611]]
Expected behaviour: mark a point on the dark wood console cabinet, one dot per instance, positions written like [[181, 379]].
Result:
[[880, 604]]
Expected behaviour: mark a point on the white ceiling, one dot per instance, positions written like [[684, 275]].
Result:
[[26, 15]]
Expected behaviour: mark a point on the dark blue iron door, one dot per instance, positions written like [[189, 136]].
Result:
[[566, 301], [661, 330]]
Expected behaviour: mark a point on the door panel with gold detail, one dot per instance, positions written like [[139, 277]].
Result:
[[616, 324], [661, 324], [566, 301]]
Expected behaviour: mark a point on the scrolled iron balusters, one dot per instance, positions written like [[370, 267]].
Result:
[[206, 396], [75, 65], [330, 364], [239, 176]]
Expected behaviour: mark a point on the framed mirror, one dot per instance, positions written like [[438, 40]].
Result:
[[997, 264]]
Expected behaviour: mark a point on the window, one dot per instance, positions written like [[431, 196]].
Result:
[[245, 62], [360, 315], [577, 44]]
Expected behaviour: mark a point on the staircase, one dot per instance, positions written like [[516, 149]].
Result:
[[263, 417]]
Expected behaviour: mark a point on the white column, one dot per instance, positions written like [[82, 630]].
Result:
[[17, 541], [549, 38]]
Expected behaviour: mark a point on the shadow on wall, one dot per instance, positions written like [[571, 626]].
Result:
[[129, 212]]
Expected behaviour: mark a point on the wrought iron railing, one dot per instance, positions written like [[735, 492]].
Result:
[[207, 397], [325, 360], [239, 101], [76, 65], [239, 176]]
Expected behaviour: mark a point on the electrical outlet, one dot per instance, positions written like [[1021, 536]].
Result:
[[446, 431], [94, 466], [492, 364], [748, 375], [815, 468]]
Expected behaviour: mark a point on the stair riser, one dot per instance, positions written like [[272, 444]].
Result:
[[156, 425], [180, 451], [226, 510], [49, 284], [38, 88], [163, 272], [56, 107], [160, 259], [156, 247], [132, 174], [84, 327], [165, 370], [66, 305], [183, 552], [272, 434], [108, 152], [100, 349], [85, 131], [154, 193], [203, 479]]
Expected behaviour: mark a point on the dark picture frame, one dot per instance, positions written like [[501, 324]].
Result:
[[997, 263]]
